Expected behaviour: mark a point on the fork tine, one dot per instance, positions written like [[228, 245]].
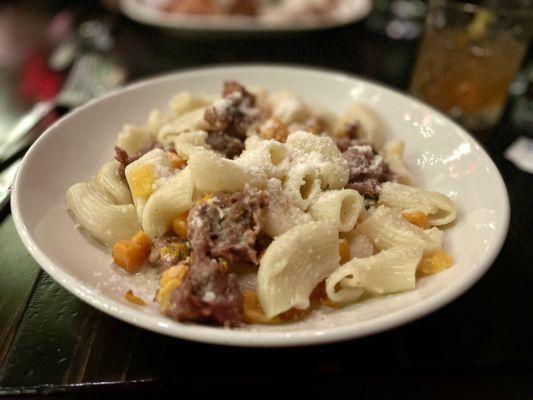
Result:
[[85, 90], [72, 77], [68, 93], [88, 78], [98, 84]]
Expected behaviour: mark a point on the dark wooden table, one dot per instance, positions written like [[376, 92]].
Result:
[[479, 346]]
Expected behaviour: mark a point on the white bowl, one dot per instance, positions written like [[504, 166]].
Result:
[[147, 12], [441, 155]]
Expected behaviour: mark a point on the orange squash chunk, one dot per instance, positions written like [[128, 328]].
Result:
[[252, 311], [170, 280], [344, 251], [434, 263], [179, 225], [417, 218], [176, 161], [130, 255], [132, 298], [141, 181]]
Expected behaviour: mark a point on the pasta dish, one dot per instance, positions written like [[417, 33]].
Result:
[[258, 208]]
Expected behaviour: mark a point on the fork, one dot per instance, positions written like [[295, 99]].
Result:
[[91, 75]]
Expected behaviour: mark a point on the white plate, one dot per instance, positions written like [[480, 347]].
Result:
[[441, 155], [147, 12]]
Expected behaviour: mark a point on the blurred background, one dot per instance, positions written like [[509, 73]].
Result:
[[473, 61], [379, 40]]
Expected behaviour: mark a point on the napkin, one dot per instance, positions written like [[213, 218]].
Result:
[[520, 153]]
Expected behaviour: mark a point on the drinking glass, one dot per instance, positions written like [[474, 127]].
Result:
[[468, 57]]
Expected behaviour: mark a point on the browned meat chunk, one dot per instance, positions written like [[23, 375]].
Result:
[[207, 293], [232, 87], [367, 170], [234, 113], [227, 225], [122, 157], [223, 226], [228, 146], [345, 142], [349, 137]]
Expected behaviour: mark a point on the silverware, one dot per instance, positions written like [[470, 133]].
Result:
[[92, 75], [7, 176]]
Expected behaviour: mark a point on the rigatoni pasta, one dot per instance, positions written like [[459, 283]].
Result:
[[282, 213], [144, 174], [133, 139], [258, 208], [386, 229], [294, 264], [321, 153], [96, 210], [392, 153], [169, 201], [185, 101], [109, 178], [363, 119], [268, 157], [302, 185], [188, 142], [212, 173], [389, 271], [187, 122], [438, 208], [339, 206]]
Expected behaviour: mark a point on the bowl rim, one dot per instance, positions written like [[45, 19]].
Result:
[[145, 14], [236, 337]]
